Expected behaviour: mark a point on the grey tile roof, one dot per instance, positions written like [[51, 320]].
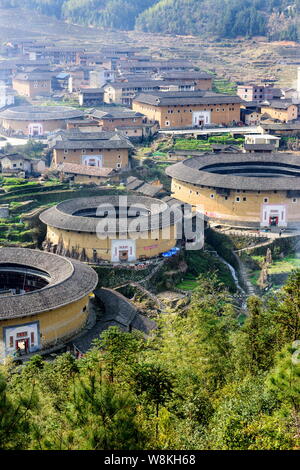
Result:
[[278, 104], [73, 168], [34, 76], [78, 139], [185, 97], [260, 147], [193, 170], [91, 91], [61, 216], [115, 113], [40, 113], [70, 281], [187, 75]]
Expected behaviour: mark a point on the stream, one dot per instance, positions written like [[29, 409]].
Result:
[[235, 278]]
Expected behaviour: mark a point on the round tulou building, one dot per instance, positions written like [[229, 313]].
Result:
[[110, 228], [44, 299], [246, 190], [36, 121]]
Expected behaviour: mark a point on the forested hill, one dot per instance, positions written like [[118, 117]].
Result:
[[277, 19]]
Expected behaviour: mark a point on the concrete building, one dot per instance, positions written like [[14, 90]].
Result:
[[44, 299], [111, 228], [188, 109], [246, 190], [255, 92], [7, 97], [101, 76], [261, 143]]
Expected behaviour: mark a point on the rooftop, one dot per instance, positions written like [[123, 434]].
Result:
[[245, 171], [77, 138], [85, 170], [85, 214], [115, 113], [69, 281], [43, 113], [183, 98]]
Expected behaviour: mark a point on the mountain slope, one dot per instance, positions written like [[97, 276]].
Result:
[[277, 19]]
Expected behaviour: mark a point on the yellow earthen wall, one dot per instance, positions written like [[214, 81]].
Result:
[[243, 211], [182, 116]]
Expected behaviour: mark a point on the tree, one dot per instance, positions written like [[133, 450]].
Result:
[[15, 424], [255, 343], [154, 383], [286, 309], [119, 349]]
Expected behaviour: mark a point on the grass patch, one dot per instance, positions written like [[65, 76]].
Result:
[[285, 265]]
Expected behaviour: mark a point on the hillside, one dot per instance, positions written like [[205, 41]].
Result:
[[276, 19]]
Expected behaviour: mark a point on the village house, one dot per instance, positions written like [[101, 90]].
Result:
[[261, 143], [60, 82], [281, 110], [102, 76], [33, 84], [156, 66], [254, 92], [7, 96], [85, 174], [124, 92], [79, 77], [281, 129], [91, 97], [62, 55], [201, 80], [15, 163], [188, 109], [134, 125], [89, 58], [97, 149], [6, 71], [251, 117]]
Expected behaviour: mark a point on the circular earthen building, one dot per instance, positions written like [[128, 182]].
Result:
[[36, 121], [246, 190], [44, 299], [111, 228]]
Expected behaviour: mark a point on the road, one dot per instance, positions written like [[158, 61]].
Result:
[[216, 130], [15, 141]]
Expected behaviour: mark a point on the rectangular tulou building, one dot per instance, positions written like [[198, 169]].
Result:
[[95, 149], [188, 109]]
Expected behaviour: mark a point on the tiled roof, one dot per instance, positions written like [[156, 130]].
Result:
[[73, 168], [78, 139], [157, 214], [69, 281], [185, 97], [194, 170], [115, 113], [43, 113]]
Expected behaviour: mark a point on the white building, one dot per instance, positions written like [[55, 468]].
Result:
[[100, 77], [7, 96]]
